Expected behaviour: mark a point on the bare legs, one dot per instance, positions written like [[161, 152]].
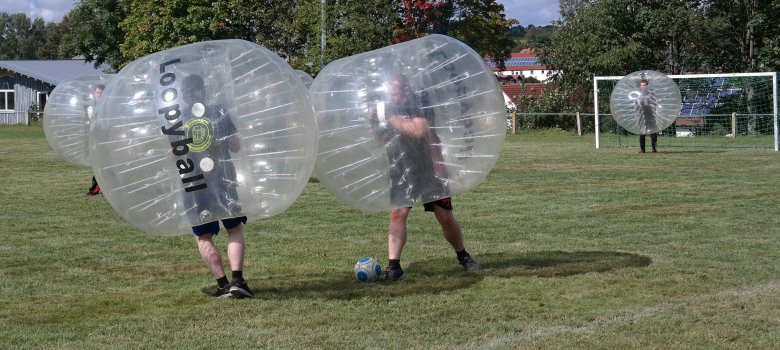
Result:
[[396, 237], [210, 254]]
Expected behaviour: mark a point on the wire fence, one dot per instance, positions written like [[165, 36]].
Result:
[[734, 130]]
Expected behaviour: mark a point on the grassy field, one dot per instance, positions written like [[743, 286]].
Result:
[[581, 248], [748, 142]]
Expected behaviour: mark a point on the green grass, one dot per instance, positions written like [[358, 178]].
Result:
[[582, 248], [705, 142]]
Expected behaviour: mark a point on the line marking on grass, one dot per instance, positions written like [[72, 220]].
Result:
[[735, 295]]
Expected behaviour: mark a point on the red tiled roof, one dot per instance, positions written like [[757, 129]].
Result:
[[513, 90]]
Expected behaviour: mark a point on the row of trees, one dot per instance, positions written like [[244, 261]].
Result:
[[594, 37], [308, 33], [617, 37], [24, 38]]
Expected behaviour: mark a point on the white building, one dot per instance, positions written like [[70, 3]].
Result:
[[521, 65]]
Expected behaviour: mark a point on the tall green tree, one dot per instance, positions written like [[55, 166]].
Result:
[[348, 27], [749, 35], [617, 37], [308, 33], [52, 38], [90, 30], [154, 25], [482, 25], [20, 36], [270, 23]]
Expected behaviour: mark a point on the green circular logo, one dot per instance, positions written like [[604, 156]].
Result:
[[202, 133]]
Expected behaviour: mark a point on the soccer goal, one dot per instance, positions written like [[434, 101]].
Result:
[[736, 110]]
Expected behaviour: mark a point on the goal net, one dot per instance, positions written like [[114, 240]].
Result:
[[718, 111]]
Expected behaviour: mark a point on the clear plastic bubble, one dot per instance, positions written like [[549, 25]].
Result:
[[645, 108], [203, 132], [305, 78], [67, 115], [374, 154]]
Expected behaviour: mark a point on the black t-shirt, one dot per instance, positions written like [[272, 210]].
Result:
[[412, 168], [210, 153]]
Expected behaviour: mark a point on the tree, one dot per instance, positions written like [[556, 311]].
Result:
[[270, 23], [749, 35], [418, 17], [538, 35], [90, 30], [20, 36], [292, 29], [482, 25], [50, 48], [617, 37], [350, 28], [569, 8], [154, 25]]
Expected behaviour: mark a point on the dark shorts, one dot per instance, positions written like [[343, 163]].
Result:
[[213, 227], [444, 203]]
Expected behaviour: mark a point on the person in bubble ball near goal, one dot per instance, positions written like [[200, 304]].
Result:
[[221, 194], [646, 108], [413, 149]]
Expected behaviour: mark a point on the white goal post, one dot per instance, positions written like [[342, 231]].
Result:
[[705, 97]]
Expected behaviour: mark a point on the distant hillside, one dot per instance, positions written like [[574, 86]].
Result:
[[522, 35]]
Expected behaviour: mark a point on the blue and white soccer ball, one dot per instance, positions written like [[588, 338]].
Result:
[[367, 270]]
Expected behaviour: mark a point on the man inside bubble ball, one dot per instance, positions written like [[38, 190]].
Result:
[[94, 189], [214, 137], [416, 170], [646, 107]]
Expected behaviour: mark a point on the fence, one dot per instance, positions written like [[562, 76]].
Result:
[[582, 123], [734, 130], [16, 117]]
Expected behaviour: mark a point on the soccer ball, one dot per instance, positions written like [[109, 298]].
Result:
[[367, 270]]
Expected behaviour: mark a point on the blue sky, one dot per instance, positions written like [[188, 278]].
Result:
[[536, 12]]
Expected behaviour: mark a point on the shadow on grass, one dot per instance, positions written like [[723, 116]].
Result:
[[558, 263], [442, 275]]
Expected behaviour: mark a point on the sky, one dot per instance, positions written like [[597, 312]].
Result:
[[536, 12]]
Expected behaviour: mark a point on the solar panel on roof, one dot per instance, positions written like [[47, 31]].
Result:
[[521, 61], [516, 61]]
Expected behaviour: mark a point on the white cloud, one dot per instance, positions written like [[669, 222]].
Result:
[[49, 10]]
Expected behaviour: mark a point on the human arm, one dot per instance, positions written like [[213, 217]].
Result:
[[416, 127]]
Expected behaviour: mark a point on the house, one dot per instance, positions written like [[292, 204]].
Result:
[[26, 83], [520, 66], [515, 90]]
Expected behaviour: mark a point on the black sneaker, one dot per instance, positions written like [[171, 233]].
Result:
[[469, 264], [223, 292], [394, 275], [240, 289]]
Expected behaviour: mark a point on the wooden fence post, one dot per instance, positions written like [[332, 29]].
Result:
[[579, 124], [514, 122], [734, 124]]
